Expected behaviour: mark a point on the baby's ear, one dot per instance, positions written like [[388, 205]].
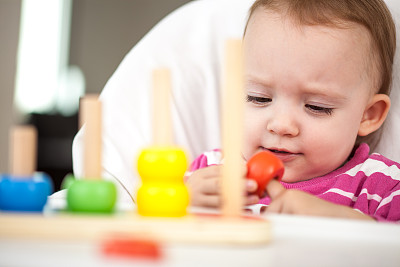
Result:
[[375, 114]]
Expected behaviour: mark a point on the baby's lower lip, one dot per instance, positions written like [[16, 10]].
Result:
[[284, 155]]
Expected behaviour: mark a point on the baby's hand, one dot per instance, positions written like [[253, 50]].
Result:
[[205, 189], [294, 201], [291, 201]]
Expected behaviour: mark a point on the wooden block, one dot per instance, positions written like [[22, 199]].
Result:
[[23, 149], [232, 130], [210, 229]]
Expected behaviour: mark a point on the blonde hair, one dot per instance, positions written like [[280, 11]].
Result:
[[372, 14]]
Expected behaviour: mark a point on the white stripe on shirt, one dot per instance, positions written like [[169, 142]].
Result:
[[388, 199], [351, 196], [213, 157], [342, 193], [371, 166]]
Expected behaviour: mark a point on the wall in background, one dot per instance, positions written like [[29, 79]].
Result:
[[9, 31], [102, 32]]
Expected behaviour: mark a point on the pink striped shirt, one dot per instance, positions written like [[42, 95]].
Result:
[[367, 183]]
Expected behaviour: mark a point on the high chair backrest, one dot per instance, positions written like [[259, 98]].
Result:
[[389, 144], [190, 43]]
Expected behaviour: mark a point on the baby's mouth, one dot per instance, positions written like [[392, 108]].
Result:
[[283, 154], [279, 151]]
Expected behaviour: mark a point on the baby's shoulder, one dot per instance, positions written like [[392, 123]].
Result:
[[377, 163], [376, 173]]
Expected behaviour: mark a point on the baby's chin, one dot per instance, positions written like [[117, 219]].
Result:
[[292, 176], [289, 179]]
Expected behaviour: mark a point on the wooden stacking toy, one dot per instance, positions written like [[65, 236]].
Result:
[[163, 197], [263, 167], [92, 194], [162, 166], [23, 189]]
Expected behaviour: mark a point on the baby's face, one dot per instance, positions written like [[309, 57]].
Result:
[[307, 89]]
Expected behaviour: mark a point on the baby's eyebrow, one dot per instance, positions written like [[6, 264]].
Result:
[[324, 92], [315, 90], [250, 81]]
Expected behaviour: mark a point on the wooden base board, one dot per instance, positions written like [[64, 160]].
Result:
[[199, 229]]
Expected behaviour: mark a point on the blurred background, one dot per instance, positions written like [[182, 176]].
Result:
[[54, 51]]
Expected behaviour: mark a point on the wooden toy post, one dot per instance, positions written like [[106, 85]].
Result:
[[162, 119], [23, 190], [23, 147], [162, 166], [91, 193], [232, 130], [91, 116]]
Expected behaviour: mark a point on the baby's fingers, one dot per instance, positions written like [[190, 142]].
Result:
[[210, 186], [206, 193], [251, 199], [251, 186], [209, 201], [275, 189]]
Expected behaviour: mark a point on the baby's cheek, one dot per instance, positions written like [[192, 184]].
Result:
[[249, 147]]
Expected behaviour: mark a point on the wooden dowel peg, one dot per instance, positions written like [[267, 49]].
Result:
[[24, 189], [91, 113], [161, 113], [23, 149], [91, 193], [232, 130]]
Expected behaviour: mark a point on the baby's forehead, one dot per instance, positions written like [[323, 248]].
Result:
[[359, 36], [261, 15]]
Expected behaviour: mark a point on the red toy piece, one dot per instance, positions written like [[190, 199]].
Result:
[[132, 248], [263, 167]]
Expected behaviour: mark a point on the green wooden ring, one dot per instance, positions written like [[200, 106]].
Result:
[[92, 196]]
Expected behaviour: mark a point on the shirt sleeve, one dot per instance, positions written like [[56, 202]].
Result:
[[206, 159], [379, 195], [389, 206]]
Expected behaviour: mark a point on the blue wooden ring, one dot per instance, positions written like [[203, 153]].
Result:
[[24, 194]]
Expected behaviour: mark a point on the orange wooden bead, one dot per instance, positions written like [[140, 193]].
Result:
[[263, 167]]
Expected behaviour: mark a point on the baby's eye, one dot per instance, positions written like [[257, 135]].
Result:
[[258, 100], [319, 109]]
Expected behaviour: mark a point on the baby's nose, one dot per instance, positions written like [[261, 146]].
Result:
[[283, 123]]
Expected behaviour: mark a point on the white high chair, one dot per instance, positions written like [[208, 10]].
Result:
[[190, 43]]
